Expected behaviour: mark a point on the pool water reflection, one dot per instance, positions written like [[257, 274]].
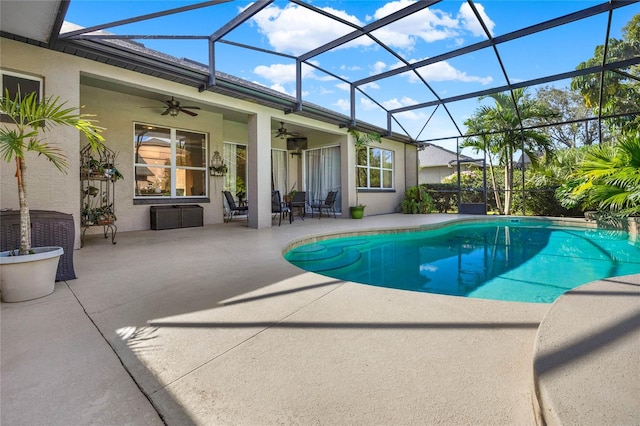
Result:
[[490, 260]]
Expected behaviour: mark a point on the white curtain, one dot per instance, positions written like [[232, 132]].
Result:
[[279, 171], [234, 156], [229, 156], [322, 174]]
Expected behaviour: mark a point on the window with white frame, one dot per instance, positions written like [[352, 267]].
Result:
[[169, 162], [375, 168], [15, 83]]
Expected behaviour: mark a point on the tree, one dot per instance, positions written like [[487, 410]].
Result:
[[30, 119], [569, 106], [621, 87], [503, 122]]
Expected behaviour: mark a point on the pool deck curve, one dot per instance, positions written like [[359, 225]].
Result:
[[212, 326]]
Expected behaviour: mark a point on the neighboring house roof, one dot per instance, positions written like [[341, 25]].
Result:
[[437, 156]]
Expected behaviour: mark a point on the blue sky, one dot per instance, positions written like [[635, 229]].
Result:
[[292, 30]]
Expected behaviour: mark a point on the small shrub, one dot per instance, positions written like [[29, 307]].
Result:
[[417, 201]]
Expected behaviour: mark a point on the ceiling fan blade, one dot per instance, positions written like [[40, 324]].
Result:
[[190, 107], [193, 114], [166, 111]]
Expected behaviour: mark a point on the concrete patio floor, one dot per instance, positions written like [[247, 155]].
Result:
[[212, 326]]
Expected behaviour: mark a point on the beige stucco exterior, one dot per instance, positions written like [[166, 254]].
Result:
[[116, 97]]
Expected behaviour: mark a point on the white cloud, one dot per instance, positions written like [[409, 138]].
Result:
[[343, 104], [277, 73], [430, 24], [279, 88], [297, 30], [286, 73], [403, 102], [367, 105], [410, 115], [373, 85], [399, 103], [344, 86], [378, 67], [470, 23], [442, 71]]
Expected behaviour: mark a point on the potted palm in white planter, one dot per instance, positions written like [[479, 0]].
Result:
[[360, 141], [29, 272]]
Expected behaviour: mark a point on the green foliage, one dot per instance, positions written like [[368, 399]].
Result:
[[621, 93], [468, 178], [417, 201], [471, 185], [444, 196], [570, 107], [608, 177], [30, 121]]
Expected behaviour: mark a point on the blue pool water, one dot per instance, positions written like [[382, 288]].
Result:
[[522, 262]]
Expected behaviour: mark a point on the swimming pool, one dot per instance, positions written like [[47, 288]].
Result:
[[513, 260]]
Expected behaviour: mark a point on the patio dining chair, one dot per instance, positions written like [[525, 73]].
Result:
[[233, 207], [327, 204], [278, 207], [299, 201]]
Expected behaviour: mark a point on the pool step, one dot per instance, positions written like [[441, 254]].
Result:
[[331, 259]]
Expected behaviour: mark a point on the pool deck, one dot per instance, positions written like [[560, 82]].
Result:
[[212, 326]]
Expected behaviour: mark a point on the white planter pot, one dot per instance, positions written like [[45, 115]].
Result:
[[30, 276]]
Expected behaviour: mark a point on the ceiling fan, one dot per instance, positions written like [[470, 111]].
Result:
[[174, 108], [282, 132]]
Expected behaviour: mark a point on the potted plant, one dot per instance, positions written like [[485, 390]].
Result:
[[30, 120], [360, 141], [289, 196]]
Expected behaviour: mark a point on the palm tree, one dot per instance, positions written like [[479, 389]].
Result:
[[30, 120], [504, 122], [609, 176]]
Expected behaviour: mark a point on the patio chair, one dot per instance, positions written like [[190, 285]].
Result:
[[327, 204], [233, 207], [299, 201], [278, 207]]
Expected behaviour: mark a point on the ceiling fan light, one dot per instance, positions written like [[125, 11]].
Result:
[[173, 112]]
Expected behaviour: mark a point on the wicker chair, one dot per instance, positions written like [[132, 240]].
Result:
[[48, 228]]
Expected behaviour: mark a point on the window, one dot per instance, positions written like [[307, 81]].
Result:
[[26, 84], [169, 162], [375, 168]]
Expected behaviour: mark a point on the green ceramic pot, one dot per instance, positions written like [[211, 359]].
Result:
[[357, 212]]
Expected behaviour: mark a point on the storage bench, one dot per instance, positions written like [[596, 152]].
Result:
[[176, 216]]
